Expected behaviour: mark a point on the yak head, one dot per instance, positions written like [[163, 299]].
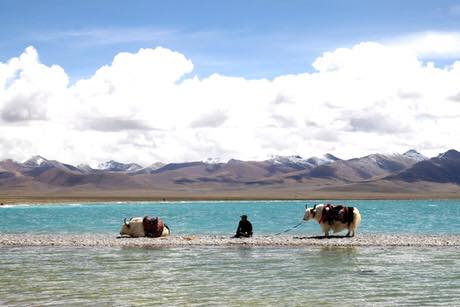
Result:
[[125, 229], [310, 213], [133, 227]]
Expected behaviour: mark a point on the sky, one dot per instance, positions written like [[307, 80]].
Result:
[[172, 81]]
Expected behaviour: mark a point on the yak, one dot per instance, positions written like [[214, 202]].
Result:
[[335, 218], [144, 227]]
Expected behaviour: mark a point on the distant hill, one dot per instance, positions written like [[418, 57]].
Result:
[[364, 168], [444, 168], [279, 175]]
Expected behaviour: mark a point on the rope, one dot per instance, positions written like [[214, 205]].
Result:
[[289, 229]]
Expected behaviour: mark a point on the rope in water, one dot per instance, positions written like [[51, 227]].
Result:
[[289, 229]]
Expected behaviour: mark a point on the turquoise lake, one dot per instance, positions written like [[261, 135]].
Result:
[[230, 276], [267, 217]]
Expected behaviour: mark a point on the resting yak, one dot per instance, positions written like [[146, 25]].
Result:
[[335, 218], [144, 227]]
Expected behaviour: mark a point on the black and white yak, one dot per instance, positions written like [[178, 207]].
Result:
[[335, 218], [144, 227]]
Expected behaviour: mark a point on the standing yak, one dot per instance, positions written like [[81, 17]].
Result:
[[335, 218]]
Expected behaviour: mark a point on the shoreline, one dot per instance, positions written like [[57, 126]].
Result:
[[88, 200], [106, 240]]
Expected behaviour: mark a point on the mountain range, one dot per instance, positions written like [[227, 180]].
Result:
[[409, 173]]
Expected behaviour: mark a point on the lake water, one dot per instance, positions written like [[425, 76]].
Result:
[[267, 217], [230, 276]]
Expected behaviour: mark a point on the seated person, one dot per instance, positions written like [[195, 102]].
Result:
[[244, 228]]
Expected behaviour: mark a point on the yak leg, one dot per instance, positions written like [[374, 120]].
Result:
[[351, 233]]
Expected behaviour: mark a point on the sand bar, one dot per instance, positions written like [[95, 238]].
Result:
[[86, 240]]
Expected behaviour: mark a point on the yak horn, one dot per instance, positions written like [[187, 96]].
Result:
[[124, 221], [314, 207]]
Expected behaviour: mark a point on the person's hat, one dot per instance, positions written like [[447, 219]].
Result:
[[244, 216]]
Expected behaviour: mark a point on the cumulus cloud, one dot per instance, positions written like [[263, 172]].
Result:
[[28, 88], [213, 120], [25, 108], [431, 44], [378, 123], [148, 106], [455, 97], [408, 95], [113, 124], [281, 99], [283, 121]]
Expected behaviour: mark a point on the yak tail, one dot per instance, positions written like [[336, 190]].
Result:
[[357, 217]]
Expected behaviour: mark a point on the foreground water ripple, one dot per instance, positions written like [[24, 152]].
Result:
[[229, 276]]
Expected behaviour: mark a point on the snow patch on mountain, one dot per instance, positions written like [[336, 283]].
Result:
[[450, 154], [212, 161], [85, 168], [151, 168], [325, 159], [35, 161], [301, 162], [297, 160], [415, 155], [114, 166]]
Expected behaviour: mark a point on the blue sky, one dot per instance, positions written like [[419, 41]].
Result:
[[254, 39], [172, 81]]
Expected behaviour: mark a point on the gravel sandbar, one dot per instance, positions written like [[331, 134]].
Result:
[[86, 240]]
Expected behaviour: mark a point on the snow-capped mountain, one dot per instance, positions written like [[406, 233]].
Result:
[[85, 168], [35, 161], [279, 170], [212, 161], [415, 155], [151, 168], [289, 160], [450, 154], [301, 163], [326, 159], [114, 166], [445, 168], [39, 164]]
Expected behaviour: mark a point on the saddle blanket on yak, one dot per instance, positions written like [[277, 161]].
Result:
[[153, 226], [337, 213]]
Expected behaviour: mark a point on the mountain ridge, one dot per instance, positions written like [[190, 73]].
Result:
[[375, 172]]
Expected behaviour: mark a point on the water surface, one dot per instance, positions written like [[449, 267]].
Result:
[[268, 217], [230, 276]]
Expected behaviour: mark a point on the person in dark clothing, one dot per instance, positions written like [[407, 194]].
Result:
[[244, 228]]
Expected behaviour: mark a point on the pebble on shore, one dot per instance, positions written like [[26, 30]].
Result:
[[86, 240]]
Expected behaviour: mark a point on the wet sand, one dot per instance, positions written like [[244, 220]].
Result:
[[71, 240]]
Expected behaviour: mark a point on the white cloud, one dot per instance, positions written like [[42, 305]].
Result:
[[377, 123], [31, 106], [214, 119], [432, 45], [28, 88], [146, 107]]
